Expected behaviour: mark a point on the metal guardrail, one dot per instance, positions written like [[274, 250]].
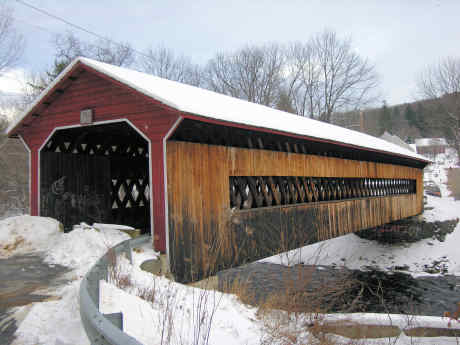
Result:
[[99, 328]]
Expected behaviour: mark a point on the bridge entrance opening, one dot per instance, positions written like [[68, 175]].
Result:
[[96, 174]]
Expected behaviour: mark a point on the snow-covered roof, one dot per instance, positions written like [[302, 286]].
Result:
[[395, 140], [430, 142], [193, 100]]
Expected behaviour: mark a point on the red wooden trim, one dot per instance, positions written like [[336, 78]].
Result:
[[292, 135], [41, 103], [130, 89], [34, 182], [82, 67]]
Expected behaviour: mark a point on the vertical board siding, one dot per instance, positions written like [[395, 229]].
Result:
[[86, 194], [206, 235]]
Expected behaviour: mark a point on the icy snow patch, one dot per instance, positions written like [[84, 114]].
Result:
[[112, 226], [56, 322], [24, 234], [143, 253]]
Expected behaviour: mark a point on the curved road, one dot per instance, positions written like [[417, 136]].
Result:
[[21, 279]]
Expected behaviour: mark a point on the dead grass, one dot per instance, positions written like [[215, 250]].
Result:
[[303, 295], [239, 288], [116, 276], [295, 314], [10, 247], [14, 191], [453, 182]]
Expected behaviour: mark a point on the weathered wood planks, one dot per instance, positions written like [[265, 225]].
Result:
[[205, 234]]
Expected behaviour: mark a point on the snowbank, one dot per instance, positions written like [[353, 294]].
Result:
[[80, 248], [56, 321], [24, 234], [189, 310]]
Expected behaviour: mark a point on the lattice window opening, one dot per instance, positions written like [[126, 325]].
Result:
[[90, 148], [130, 193], [248, 192]]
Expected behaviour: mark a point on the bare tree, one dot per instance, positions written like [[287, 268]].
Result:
[[11, 42], [326, 76], [252, 73], [164, 63], [441, 83], [302, 83], [68, 47]]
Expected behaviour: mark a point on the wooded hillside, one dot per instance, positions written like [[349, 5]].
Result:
[[420, 119]]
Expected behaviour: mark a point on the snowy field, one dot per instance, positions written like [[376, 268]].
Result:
[[187, 315]]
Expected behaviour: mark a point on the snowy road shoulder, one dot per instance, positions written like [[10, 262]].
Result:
[[56, 320]]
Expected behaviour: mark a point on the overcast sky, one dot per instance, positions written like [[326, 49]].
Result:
[[399, 37]]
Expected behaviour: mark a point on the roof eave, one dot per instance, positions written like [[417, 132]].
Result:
[[300, 136], [44, 95]]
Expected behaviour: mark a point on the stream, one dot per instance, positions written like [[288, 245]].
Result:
[[345, 290]]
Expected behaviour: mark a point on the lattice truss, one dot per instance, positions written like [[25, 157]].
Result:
[[104, 149], [127, 193], [248, 192]]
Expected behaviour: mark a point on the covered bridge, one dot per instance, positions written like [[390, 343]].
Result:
[[216, 180]]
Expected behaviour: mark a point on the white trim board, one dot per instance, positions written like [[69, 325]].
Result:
[[29, 153], [165, 179]]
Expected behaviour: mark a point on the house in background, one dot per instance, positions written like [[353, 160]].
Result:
[[216, 181], [431, 146]]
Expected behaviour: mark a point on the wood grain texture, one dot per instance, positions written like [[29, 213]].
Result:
[[206, 235]]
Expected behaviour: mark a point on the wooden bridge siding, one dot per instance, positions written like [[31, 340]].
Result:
[[203, 230]]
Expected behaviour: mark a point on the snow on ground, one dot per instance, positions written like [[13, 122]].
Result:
[[232, 323], [57, 321], [25, 234], [437, 172], [191, 309], [54, 322], [354, 252], [143, 253], [83, 246]]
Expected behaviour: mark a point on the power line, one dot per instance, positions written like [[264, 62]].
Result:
[[76, 26], [35, 26]]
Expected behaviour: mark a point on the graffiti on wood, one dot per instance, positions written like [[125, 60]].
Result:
[[72, 207], [74, 189]]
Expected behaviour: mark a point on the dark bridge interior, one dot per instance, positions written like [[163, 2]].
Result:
[[96, 173]]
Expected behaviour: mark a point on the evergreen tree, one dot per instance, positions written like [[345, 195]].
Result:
[[422, 119], [385, 119], [284, 103], [411, 116], [395, 119]]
